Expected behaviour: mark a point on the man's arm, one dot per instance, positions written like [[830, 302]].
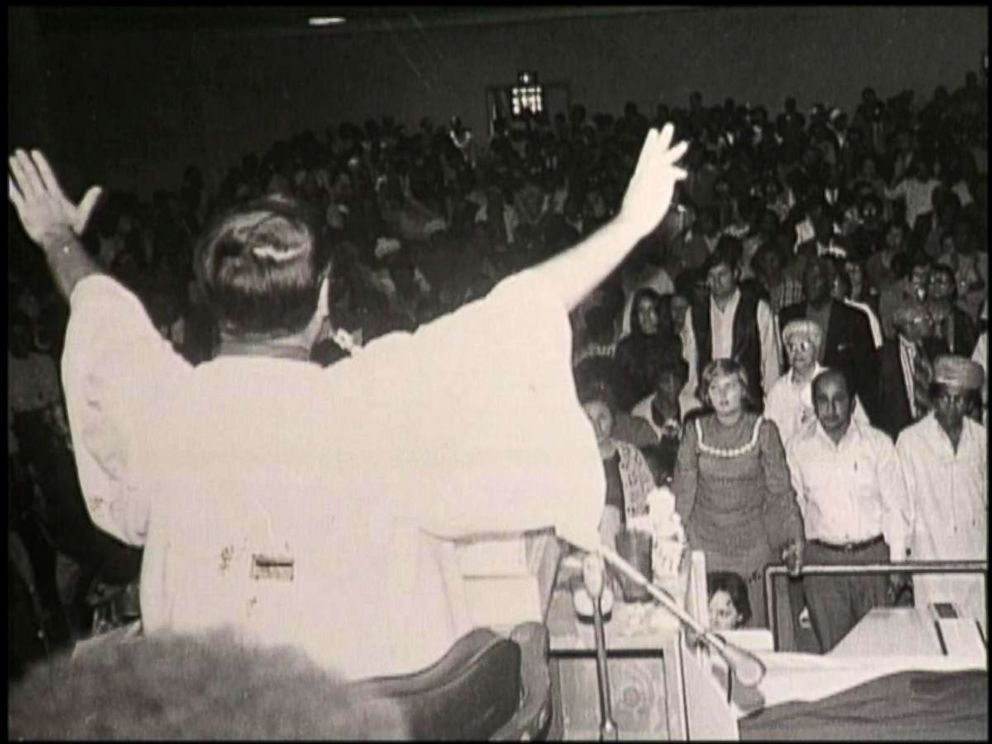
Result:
[[906, 459], [50, 220], [687, 397], [576, 272], [895, 503], [792, 459], [770, 350]]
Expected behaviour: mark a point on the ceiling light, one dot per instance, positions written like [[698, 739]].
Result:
[[326, 20]]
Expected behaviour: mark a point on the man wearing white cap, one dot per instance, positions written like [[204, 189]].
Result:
[[790, 401], [943, 458]]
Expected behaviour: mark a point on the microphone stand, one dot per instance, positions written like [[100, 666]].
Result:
[[747, 667]]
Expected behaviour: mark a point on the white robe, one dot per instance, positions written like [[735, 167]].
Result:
[[948, 500]]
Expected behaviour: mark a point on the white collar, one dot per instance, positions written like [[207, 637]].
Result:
[[731, 302], [853, 433]]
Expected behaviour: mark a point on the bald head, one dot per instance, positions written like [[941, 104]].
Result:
[[833, 402]]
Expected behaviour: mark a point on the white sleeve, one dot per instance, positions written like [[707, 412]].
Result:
[[796, 474], [895, 505], [876, 328], [115, 367], [770, 349], [687, 398], [492, 437], [906, 459]]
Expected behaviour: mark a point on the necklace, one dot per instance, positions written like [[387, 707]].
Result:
[[728, 453]]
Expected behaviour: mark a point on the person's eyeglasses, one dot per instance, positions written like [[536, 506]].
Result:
[[794, 346], [956, 399]]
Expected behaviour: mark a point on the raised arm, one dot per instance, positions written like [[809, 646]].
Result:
[[576, 272], [52, 221]]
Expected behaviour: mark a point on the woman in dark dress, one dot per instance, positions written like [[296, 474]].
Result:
[[732, 487]]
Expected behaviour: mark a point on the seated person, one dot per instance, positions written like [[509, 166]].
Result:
[[288, 501], [629, 479], [661, 408], [729, 606], [600, 372]]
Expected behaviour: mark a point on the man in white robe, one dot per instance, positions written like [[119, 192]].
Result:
[[304, 506], [945, 463]]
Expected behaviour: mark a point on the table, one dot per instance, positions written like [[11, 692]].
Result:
[[891, 631], [910, 631]]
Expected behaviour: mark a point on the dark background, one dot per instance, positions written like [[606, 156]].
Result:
[[129, 97]]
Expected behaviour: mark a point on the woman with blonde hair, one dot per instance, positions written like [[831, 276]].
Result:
[[731, 484]]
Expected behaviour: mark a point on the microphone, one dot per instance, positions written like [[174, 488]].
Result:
[[747, 667]]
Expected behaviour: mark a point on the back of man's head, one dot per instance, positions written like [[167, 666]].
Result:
[[260, 265], [193, 687]]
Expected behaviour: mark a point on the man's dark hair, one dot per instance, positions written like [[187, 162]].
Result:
[[728, 251], [260, 265], [949, 273]]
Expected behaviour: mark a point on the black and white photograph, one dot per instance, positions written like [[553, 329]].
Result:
[[502, 373]]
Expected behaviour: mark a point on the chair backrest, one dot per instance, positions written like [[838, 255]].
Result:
[[533, 716], [470, 693]]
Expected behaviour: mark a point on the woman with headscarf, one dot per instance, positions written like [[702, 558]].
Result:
[[652, 333]]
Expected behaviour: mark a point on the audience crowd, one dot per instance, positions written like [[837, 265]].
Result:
[[811, 303]]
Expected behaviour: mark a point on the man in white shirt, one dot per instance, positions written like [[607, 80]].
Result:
[[733, 323], [917, 191], [944, 460], [304, 506], [851, 493]]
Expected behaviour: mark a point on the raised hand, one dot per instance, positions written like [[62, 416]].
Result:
[[649, 193], [48, 217]]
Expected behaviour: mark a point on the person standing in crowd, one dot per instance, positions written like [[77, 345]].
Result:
[[842, 290], [847, 343], [782, 290], [661, 409], [912, 282], [629, 480], [691, 249], [905, 370], [944, 460], [651, 334], [731, 484], [916, 190], [951, 324], [790, 401], [879, 267], [599, 374], [733, 323], [287, 540], [852, 496]]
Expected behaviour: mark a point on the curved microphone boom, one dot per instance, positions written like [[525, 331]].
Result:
[[747, 667]]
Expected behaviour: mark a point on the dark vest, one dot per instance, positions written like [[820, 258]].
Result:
[[746, 345]]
